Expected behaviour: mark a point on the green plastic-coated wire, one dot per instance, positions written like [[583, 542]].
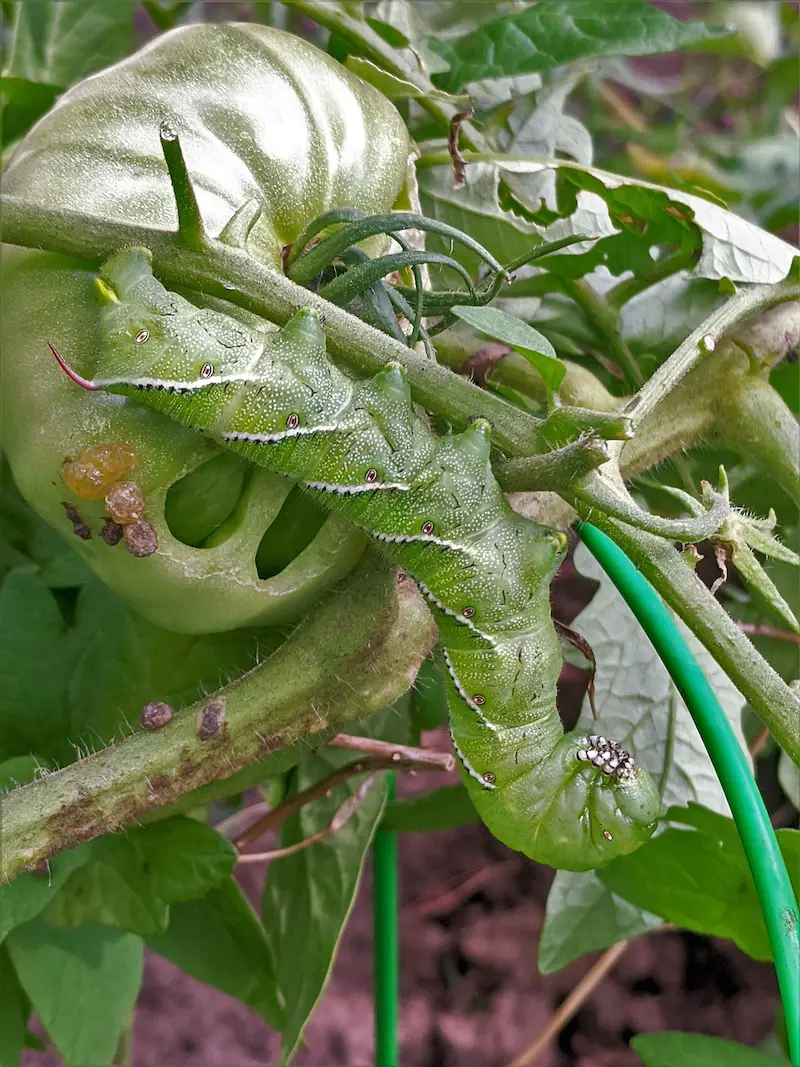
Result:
[[385, 942], [770, 876]]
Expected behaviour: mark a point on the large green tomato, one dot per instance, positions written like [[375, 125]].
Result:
[[261, 114]]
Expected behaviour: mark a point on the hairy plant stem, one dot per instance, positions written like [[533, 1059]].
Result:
[[356, 653]]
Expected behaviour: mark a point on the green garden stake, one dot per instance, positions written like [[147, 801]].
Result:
[[385, 942], [778, 902]]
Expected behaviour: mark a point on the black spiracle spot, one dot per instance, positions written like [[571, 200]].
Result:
[[427, 527], [371, 476]]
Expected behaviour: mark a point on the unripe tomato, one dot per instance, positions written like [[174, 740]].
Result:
[[261, 115]]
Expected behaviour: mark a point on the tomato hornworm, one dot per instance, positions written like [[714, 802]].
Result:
[[433, 504]]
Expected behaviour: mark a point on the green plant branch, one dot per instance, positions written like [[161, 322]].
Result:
[[356, 653], [703, 341], [725, 397], [605, 319], [265, 291]]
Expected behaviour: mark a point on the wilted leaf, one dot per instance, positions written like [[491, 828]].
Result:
[[624, 216], [638, 704], [789, 777]]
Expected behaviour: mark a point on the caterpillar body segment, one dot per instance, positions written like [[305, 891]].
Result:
[[433, 504]]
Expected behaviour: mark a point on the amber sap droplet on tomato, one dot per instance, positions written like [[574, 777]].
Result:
[[125, 503], [98, 467]]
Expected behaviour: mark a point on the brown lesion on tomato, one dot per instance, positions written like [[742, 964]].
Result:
[[79, 527]]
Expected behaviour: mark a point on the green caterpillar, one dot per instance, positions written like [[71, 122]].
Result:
[[433, 504]]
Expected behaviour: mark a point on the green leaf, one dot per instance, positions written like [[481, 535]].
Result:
[[398, 88], [29, 893], [82, 984], [441, 809], [35, 660], [674, 1049], [23, 102], [308, 896], [582, 916], [501, 207], [220, 941], [700, 879], [14, 1011], [18, 771], [554, 32], [518, 335], [134, 876], [61, 41]]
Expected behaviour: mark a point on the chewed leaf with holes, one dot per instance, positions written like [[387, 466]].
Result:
[[433, 505], [625, 217]]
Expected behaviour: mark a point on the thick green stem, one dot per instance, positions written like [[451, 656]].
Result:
[[662, 268], [699, 345], [356, 653], [190, 221], [605, 319]]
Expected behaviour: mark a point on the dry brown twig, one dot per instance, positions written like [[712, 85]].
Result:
[[382, 756], [340, 817]]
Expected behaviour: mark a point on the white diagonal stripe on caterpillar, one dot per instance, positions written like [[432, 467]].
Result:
[[464, 694], [352, 490], [428, 594], [465, 763], [279, 435]]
